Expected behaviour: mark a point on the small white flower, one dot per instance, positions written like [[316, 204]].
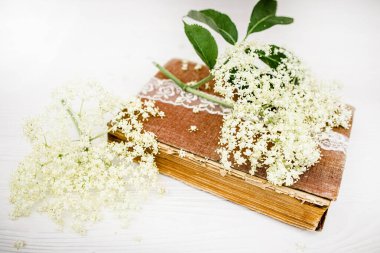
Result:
[[184, 65], [247, 152], [182, 153], [161, 190], [196, 109], [198, 67], [193, 128], [19, 244], [161, 114], [191, 83]]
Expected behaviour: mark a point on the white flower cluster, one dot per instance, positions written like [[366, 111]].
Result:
[[74, 175], [19, 244], [193, 128], [279, 111]]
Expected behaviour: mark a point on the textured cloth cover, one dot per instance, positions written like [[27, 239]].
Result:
[[322, 180]]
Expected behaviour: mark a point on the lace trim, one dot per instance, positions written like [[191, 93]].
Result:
[[166, 91], [333, 141]]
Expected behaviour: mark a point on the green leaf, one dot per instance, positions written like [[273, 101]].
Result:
[[273, 59], [264, 16], [218, 21], [203, 43]]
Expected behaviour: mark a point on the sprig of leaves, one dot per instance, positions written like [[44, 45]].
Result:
[[219, 22], [203, 43], [263, 17]]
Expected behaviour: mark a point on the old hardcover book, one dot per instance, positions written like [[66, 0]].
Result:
[[191, 156]]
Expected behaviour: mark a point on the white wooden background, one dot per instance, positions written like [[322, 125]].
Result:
[[46, 43]]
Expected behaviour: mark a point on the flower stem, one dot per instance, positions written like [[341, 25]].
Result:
[[203, 81], [81, 108], [98, 136], [45, 141], [169, 75], [72, 116], [209, 97], [192, 89]]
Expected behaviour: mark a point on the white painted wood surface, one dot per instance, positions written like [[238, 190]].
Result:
[[46, 43]]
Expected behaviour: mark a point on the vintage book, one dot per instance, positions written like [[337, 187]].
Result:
[[304, 204]]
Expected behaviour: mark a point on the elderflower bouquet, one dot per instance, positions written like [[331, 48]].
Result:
[[73, 175], [279, 111]]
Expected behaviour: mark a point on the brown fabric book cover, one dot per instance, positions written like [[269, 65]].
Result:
[[314, 191]]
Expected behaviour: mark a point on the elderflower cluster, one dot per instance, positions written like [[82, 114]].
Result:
[[193, 128], [72, 172], [279, 111]]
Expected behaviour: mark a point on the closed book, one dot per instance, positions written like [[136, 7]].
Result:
[[191, 157]]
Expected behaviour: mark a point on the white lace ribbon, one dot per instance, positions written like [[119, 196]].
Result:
[[333, 141], [166, 91]]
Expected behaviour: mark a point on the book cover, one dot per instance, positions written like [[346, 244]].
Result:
[[191, 156]]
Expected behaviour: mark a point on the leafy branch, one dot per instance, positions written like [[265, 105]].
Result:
[[263, 17]]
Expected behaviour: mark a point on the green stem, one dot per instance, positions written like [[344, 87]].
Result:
[[45, 141], [192, 90], [81, 107], [98, 136], [48, 162], [168, 74], [72, 116], [209, 97], [203, 81]]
